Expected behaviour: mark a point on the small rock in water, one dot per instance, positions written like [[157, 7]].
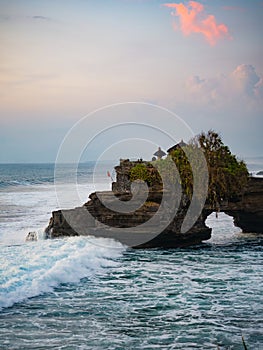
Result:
[[32, 236], [260, 173]]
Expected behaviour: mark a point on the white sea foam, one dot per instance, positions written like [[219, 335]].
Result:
[[35, 268], [27, 209], [223, 229], [28, 269], [256, 173]]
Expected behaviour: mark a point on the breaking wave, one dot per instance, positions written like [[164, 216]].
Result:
[[36, 268]]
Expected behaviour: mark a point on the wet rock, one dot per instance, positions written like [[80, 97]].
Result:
[[32, 236], [95, 218]]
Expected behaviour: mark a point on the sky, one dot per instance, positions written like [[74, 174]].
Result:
[[62, 60]]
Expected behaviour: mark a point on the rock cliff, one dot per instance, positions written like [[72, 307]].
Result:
[[247, 211], [95, 218]]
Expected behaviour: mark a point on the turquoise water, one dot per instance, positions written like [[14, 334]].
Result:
[[112, 298], [90, 293]]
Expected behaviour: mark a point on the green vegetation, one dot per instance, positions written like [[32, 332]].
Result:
[[184, 175], [145, 172], [227, 175]]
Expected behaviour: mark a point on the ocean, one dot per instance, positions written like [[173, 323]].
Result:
[[95, 293]]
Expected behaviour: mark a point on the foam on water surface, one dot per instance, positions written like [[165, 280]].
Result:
[[91, 293], [35, 268], [27, 209]]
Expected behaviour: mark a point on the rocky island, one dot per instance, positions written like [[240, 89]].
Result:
[[144, 224]]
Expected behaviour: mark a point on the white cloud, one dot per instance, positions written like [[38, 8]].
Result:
[[245, 80], [243, 87]]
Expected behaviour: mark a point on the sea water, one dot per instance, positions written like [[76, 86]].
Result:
[[94, 293]]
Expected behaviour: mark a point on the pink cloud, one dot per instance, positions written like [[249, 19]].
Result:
[[193, 20]]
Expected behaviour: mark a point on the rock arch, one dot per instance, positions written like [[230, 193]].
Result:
[[247, 212]]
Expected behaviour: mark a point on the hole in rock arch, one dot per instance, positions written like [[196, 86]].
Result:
[[223, 229]]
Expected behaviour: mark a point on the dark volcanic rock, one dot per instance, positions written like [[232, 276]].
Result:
[[248, 211], [95, 218], [103, 221]]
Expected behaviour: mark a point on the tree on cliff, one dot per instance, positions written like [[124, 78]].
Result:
[[227, 175]]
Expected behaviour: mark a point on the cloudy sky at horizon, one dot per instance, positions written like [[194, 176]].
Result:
[[60, 60]]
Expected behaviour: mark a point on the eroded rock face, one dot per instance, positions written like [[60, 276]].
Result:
[[246, 210], [101, 217]]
